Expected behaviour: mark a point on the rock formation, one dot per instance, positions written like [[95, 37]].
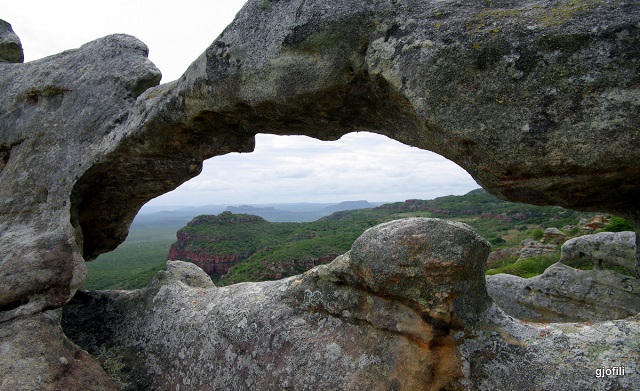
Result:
[[564, 294], [10, 45], [211, 263], [533, 248], [358, 323], [537, 100], [610, 248], [218, 243]]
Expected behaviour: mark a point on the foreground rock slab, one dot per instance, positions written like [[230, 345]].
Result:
[[36, 355], [336, 327]]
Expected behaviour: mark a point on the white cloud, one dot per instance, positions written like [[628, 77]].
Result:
[[177, 32], [301, 169]]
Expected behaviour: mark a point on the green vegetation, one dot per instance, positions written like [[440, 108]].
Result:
[[270, 250], [528, 267], [134, 263], [617, 224], [270, 245]]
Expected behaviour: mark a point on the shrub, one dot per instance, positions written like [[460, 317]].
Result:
[[617, 224], [497, 241], [528, 267], [537, 234]]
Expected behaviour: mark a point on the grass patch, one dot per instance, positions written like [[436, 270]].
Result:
[[134, 263], [528, 267]]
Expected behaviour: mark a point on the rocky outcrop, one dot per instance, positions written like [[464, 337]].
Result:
[[211, 264], [57, 115], [537, 100], [532, 248], [195, 246], [564, 294], [10, 45], [551, 240], [554, 235], [358, 323], [596, 222], [608, 248], [218, 264]]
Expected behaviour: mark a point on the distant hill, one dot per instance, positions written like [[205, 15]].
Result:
[[241, 247], [285, 212], [349, 205]]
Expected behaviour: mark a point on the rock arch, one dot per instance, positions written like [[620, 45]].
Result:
[[538, 101]]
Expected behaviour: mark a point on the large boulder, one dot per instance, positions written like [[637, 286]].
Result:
[[435, 265], [57, 115], [10, 45], [565, 294], [606, 249], [339, 327]]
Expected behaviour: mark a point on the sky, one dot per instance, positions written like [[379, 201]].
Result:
[[282, 169]]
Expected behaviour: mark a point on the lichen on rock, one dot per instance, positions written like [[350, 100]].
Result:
[[537, 100], [339, 327]]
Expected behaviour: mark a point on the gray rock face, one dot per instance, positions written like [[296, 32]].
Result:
[[537, 100], [10, 46], [532, 248], [565, 294], [58, 119], [610, 248], [436, 265], [322, 330]]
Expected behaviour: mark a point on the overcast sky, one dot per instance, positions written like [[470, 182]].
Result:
[[282, 169]]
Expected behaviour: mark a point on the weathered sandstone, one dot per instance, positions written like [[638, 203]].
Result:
[[608, 248], [565, 294], [336, 327], [538, 100]]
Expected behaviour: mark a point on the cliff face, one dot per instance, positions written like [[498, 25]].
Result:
[[537, 100], [218, 243], [211, 263]]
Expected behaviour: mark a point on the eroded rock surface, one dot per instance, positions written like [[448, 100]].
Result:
[[345, 325], [565, 294], [58, 116], [36, 355], [10, 45], [608, 248], [537, 100]]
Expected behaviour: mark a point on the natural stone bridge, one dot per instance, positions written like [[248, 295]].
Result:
[[539, 101]]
